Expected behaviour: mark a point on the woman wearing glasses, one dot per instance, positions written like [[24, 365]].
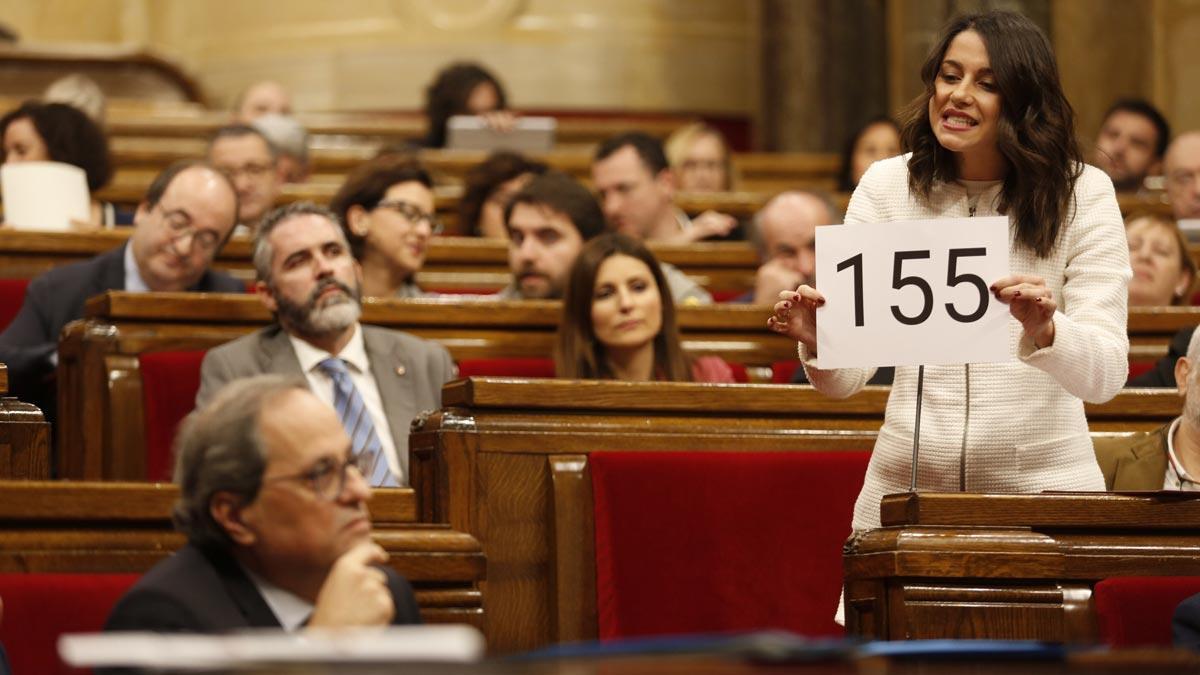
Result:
[[387, 210]]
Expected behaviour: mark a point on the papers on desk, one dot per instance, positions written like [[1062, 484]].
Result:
[[453, 644], [44, 195]]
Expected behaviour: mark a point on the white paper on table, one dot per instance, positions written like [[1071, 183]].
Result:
[[443, 643], [1190, 228], [44, 195], [883, 340]]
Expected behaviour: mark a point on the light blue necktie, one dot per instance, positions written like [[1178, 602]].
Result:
[[351, 408]]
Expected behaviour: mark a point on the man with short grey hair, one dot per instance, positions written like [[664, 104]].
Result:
[[1167, 458], [377, 380], [251, 161], [272, 501], [785, 232]]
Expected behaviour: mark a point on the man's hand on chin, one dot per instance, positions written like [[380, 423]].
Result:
[[355, 593]]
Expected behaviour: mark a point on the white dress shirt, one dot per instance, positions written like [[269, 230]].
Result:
[[290, 609], [355, 356]]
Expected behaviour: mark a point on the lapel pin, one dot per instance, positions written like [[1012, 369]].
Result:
[[401, 370]]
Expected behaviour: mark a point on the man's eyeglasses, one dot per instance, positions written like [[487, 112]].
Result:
[[412, 213], [328, 478], [181, 227], [251, 170]]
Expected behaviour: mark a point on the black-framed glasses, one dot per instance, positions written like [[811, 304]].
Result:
[[413, 213], [181, 227], [327, 479]]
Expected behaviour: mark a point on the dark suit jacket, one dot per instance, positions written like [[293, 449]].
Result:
[[195, 591], [1163, 372], [1137, 462], [1185, 625], [53, 300], [409, 371]]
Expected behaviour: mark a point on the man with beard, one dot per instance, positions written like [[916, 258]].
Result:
[[1167, 458], [377, 380]]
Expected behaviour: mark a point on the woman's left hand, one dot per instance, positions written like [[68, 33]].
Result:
[[1032, 303]]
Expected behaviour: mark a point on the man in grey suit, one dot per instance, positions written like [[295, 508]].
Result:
[[377, 380]]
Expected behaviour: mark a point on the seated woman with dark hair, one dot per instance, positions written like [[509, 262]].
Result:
[[878, 139], [387, 211], [618, 324], [57, 132], [488, 189], [463, 89]]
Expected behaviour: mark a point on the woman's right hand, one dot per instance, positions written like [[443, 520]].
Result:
[[796, 315]]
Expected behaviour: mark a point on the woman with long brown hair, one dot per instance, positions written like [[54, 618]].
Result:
[[618, 320], [993, 134]]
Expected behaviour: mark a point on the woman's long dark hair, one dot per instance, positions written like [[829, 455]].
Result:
[[70, 136], [1036, 129], [578, 354], [448, 96]]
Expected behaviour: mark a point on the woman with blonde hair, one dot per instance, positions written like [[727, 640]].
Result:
[[700, 158], [1164, 272]]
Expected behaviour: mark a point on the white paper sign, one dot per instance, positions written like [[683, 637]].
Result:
[[911, 293], [44, 195]]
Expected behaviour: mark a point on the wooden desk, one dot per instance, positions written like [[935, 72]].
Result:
[[60, 526], [507, 461], [1009, 566], [451, 262], [24, 437], [99, 385]]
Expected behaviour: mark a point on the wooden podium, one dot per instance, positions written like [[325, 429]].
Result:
[[1010, 566]]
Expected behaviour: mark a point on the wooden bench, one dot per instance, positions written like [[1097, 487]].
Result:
[[452, 263], [85, 527], [99, 384], [507, 460], [24, 437]]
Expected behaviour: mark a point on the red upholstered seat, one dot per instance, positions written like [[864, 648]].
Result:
[[12, 296], [170, 381], [40, 607], [719, 541], [1137, 611], [506, 367], [781, 371], [1138, 367]]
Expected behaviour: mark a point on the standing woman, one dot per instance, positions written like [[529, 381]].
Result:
[[619, 324], [994, 134]]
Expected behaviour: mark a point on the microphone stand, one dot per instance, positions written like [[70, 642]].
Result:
[[917, 429]]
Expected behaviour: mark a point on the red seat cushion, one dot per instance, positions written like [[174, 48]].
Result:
[[1138, 367], [170, 381], [40, 607], [1137, 611], [782, 371], [12, 296], [720, 541], [506, 367]]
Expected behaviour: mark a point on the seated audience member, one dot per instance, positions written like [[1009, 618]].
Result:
[[386, 209], [700, 158], [80, 91], [57, 132], [1163, 372], [1167, 458], [1185, 624], [549, 221], [784, 233], [637, 193], [377, 379], [618, 324], [1181, 166], [290, 139], [463, 89], [274, 507], [878, 139], [188, 213], [487, 190], [252, 162], [1131, 143], [1163, 270], [261, 98]]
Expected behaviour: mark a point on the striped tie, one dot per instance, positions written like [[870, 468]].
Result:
[[356, 419]]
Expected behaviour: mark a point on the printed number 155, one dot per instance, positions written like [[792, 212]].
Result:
[[899, 281]]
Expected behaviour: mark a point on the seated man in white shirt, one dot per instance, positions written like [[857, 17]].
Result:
[[378, 380], [1167, 458], [272, 501]]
